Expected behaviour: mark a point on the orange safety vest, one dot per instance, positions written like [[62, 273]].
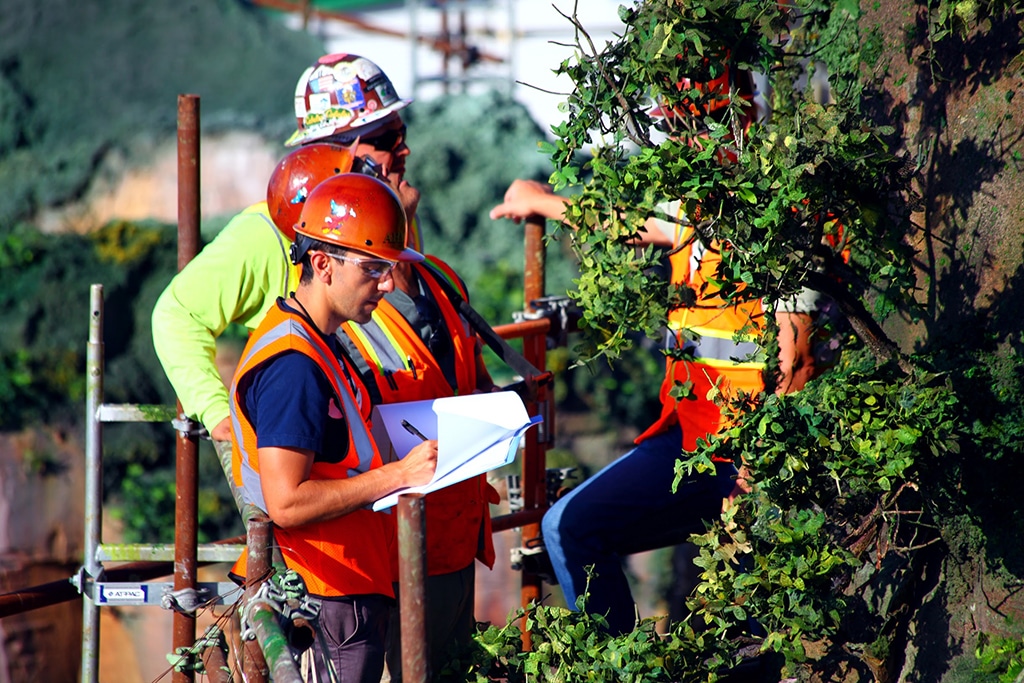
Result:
[[458, 518], [725, 352], [347, 555]]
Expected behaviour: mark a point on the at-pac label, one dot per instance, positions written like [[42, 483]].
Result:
[[122, 594]]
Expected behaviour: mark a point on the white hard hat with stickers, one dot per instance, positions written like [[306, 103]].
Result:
[[342, 93]]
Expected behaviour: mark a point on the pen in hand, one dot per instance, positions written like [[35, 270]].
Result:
[[412, 430]]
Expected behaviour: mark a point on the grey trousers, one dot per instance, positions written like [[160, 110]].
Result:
[[449, 621]]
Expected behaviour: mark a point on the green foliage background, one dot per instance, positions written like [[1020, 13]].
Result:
[[887, 494], [79, 80], [877, 508]]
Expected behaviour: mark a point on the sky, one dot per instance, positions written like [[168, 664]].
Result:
[[523, 34]]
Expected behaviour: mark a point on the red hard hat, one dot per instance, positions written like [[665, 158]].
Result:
[[297, 174], [359, 212]]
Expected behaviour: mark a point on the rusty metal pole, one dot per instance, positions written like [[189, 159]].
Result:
[[187, 468], [257, 570], [534, 448], [216, 665], [535, 259], [412, 594]]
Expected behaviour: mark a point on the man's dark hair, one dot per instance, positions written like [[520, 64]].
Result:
[[306, 275]]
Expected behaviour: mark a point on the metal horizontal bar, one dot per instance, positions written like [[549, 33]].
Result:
[[523, 329], [514, 520], [111, 594], [125, 552], [135, 412]]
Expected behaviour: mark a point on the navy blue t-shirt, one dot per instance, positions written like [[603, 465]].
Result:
[[291, 404]]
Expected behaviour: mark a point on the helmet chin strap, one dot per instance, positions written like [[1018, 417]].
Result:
[[367, 166], [299, 247]]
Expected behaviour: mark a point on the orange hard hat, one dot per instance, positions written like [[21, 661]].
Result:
[[297, 174], [358, 212], [715, 94]]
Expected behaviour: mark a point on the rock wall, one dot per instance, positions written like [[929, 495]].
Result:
[[234, 168], [42, 490]]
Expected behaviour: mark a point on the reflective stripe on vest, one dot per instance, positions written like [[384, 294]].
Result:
[[718, 350], [728, 332], [291, 325], [458, 516], [379, 344], [725, 353]]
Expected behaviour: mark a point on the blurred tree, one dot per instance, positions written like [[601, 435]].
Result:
[[80, 77]]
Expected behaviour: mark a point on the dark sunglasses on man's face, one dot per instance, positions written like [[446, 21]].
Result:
[[388, 141]]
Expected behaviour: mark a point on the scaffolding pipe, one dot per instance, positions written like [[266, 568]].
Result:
[[257, 570], [412, 595], [273, 644], [216, 665], [534, 451], [56, 592], [93, 483], [535, 259], [187, 460]]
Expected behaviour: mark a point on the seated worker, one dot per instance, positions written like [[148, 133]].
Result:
[[302, 449], [341, 99], [629, 505]]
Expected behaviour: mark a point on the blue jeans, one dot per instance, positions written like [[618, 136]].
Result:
[[625, 508]]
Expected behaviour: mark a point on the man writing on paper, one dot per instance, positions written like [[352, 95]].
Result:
[[302, 450], [417, 346]]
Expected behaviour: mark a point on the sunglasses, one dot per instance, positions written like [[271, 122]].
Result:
[[373, 268], [388, 141]]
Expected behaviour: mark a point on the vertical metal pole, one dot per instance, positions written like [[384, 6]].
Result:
[[93, 484], [446, 51], [535, 259], [257, 570], [534, 451], [414, 45], [512, 44], [187, 468], [216, 665], [412, 595]]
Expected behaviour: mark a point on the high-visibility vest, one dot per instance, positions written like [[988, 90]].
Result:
[[458, 518], [723, 356], [347, 555]]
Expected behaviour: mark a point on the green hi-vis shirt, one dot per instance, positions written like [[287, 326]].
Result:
[[234, 279]]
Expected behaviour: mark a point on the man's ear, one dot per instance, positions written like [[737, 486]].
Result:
[[321, 264]]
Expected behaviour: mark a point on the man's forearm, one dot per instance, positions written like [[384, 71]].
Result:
[[293, 499]]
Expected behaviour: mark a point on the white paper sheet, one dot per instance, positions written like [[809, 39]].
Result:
[[475, 434]]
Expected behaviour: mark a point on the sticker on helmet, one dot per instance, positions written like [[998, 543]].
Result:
[[350, 96], [335, 117], [366, 69], [384, 89], [319, 103], [345, 73], [341, 209], [321, 79]]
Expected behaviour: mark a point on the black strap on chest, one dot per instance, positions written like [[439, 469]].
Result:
[[512, 358]]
